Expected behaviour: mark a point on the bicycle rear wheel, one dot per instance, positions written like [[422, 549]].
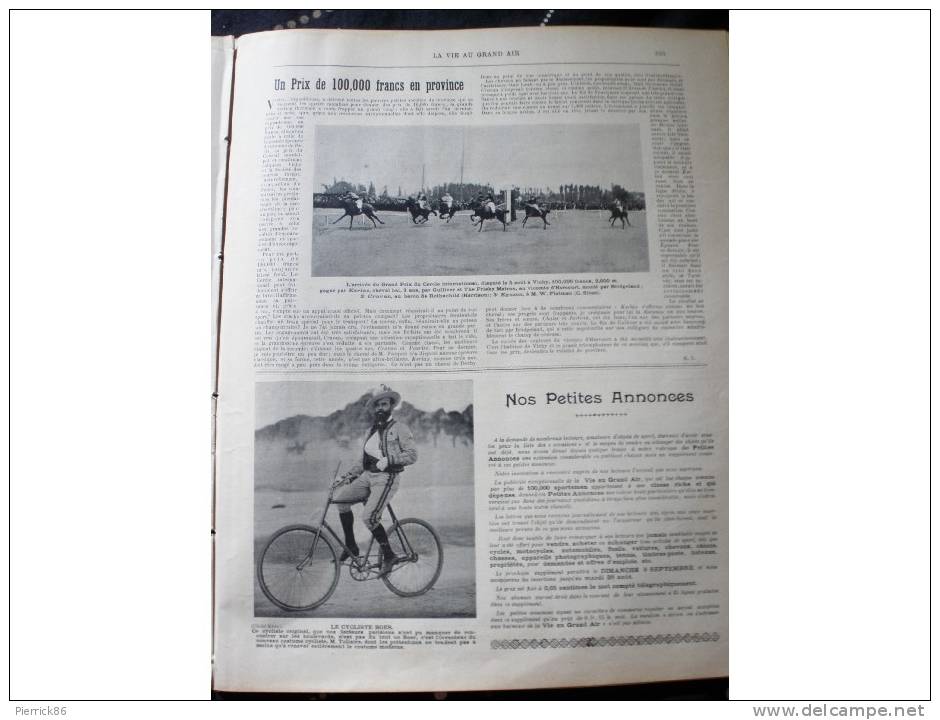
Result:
[[421, 555], [298, 570]]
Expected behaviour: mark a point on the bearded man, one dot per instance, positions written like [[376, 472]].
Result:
[[388, 448]]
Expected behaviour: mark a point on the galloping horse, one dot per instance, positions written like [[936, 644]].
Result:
[[357, 207], [539, 211], [481, 211], [620, 214], [418, 212], [447, 208]]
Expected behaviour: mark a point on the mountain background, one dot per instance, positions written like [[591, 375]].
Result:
[[354, 420], [302, 451]]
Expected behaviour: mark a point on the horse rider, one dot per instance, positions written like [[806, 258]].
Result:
[[447, 201], [389, 446], [423, 202], [354, 199], [617, 205], [490, 204], [532, 204]]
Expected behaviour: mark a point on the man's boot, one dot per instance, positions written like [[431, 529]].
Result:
[[346, 519], [388, 557]]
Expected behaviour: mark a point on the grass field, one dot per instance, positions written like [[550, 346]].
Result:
[[576, 241]]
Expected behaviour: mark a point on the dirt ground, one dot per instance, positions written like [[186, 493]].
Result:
[[576, 241], [452, 596], [448, 508]]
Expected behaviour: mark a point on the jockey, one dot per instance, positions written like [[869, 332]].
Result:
[[447, 200], [617, 205], [532, 203], [490, 205], [355, 199], [422, 201]]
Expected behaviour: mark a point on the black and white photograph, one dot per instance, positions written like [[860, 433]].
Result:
[[493, 200], [364, 499]]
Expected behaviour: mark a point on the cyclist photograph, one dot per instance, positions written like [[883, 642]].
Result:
[[359, 482]]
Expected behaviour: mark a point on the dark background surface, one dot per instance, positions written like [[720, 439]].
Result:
[[239, 22]]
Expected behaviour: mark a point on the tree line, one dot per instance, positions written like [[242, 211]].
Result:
[[565, 196]]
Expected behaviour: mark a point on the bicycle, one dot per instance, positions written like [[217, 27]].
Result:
[[299, 568]]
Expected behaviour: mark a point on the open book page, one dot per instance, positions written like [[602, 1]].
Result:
[[472, 414]]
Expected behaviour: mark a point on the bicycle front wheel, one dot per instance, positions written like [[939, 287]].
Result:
[[298, 569], [421, 557]]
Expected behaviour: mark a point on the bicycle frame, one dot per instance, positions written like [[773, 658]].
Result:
[[316, 538], [367, 566], [401, 534], [361, 566]]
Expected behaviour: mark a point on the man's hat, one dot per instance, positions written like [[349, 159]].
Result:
[[385, 392]]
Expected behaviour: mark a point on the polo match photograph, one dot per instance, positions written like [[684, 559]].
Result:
[[490, 200]]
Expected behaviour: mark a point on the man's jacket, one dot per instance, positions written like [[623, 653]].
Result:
[[396, 443]]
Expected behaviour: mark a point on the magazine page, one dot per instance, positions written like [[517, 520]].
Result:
[[472, 412]]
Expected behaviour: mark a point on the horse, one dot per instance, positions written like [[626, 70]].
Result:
[[417, 212], [619, 214], [353, 208], [539, 211], [448, 209], [484, 213]]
